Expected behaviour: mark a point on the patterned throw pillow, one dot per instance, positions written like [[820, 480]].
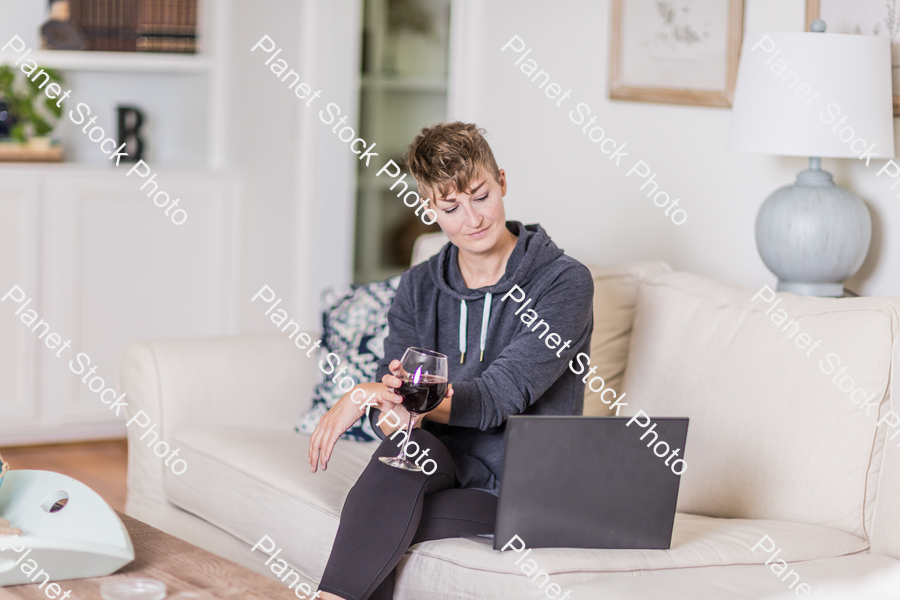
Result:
[[355, 322]]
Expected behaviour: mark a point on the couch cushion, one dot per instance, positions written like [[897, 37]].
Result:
[[477, 571], [615, 292], [829, 576], [427, 245], [771, 435], [252, 482]]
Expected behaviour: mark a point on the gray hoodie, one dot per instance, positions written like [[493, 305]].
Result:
[[524, 369]]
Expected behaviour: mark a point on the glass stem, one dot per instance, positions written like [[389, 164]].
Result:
[[412, 417]]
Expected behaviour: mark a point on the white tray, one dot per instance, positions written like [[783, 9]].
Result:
[[85, 538]]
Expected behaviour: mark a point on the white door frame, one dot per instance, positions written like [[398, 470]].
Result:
[[325, 187]]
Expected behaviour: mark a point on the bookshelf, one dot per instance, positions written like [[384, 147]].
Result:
[[403, 88], [169, 88], [116, 62]]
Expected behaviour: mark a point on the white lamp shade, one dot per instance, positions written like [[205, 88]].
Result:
[[776, 109]]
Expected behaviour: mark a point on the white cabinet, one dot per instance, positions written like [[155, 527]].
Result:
[[19, 199], [104, 266]]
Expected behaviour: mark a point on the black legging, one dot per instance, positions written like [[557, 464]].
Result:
[[390, 509]]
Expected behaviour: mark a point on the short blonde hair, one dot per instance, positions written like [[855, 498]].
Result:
[[450, 156]]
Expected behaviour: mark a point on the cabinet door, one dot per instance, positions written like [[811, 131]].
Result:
[[19, 198], [117, 269]]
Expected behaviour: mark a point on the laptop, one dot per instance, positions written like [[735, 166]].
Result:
[[589, 482]]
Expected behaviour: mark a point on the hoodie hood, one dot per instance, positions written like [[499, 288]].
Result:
[[534, 249]]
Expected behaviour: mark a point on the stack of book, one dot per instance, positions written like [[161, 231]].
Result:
[[138, 25], [109, 25], [168, 26]]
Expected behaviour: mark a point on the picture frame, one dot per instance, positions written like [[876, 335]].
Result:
[[675, 51], [868, 17]]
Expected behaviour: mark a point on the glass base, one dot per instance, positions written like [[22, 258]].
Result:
[[400, 463]]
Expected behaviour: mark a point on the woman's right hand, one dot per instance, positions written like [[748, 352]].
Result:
[[351, 406], [332, 425], [347, 411]]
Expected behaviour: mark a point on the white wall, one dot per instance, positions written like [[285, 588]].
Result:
[[296, 227], [559, 178]]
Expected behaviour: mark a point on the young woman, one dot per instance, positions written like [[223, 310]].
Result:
[[531, 313]]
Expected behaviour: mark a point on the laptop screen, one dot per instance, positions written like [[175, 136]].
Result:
[[590, 482]]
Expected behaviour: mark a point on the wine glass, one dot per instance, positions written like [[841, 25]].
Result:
[[424, 376]]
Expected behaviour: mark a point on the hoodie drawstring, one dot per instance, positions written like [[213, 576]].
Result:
[[463, 322], [485, 317], [463, 318]]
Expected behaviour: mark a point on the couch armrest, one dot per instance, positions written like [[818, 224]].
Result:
[[236, 381], [261, 381]]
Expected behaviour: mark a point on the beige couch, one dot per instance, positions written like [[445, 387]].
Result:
[[774, 448]]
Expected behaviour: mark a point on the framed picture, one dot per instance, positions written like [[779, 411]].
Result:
[[866, 17], [675, 51]]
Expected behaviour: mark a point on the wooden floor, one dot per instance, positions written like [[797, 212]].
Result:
[[102, 466]]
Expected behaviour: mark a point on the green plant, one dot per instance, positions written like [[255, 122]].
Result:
[[32, 115]]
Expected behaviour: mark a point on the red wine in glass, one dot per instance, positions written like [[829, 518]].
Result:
[[424, 376], [424, 395]]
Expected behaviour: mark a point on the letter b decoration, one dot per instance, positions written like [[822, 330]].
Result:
[[130, 121]]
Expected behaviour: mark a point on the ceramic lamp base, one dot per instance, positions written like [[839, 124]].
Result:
[[813, 235]]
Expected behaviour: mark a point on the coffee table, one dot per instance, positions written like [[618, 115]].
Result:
[[188, 572]]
